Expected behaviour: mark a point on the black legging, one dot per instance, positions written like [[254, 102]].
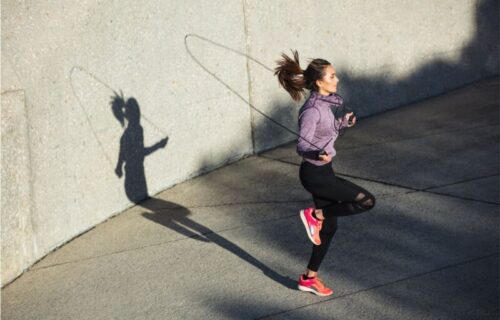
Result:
[[337, 197]]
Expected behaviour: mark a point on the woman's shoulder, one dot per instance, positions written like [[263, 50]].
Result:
[[309, 111]]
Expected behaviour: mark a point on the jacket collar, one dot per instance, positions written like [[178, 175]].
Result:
[[333, 98]]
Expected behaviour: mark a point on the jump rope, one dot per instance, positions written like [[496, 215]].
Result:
[[339, 112]]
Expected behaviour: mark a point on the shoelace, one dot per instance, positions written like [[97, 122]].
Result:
[[319, 282]]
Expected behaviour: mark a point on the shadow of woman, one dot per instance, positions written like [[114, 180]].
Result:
[[132, 151], [171, 215], [175, 217]]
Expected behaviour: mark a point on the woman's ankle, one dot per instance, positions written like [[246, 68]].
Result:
[[311, 274], [318, 214]]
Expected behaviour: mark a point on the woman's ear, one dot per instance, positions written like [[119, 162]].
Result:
[[319, 83]]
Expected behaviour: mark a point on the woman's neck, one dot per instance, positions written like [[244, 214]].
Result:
[[323, 93]]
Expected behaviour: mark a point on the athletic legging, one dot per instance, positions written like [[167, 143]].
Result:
[[337, 197]]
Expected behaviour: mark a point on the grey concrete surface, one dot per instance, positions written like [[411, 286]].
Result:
[[194, 67], [230, 245], [17, 245]]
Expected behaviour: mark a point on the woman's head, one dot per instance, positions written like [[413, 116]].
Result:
[[319, 76], [125, 110], [132, 111]]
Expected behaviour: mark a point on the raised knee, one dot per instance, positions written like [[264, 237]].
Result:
[[369, 203]]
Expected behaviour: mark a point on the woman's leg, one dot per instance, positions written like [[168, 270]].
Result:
[[339, 197], [318, 252], [335, 197]]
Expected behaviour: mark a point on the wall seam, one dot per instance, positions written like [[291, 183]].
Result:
[[34, 238], [249, 79]]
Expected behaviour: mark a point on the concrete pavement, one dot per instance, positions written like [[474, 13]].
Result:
[[229, 244]]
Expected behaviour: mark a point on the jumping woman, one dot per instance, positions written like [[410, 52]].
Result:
[[319, 127]]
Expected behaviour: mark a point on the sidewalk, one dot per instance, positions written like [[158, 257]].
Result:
[[230, 245]]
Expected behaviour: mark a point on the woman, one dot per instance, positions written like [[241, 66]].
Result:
[[318, 130]]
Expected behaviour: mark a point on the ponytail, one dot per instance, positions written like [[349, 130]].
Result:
[[118, 108], [290, 75]]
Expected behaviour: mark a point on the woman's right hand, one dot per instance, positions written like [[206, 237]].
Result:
[[325, 158], [118, 171]]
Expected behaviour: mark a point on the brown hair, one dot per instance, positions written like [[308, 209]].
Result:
[[293, 79]]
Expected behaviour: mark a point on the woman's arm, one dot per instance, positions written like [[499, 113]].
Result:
[[160, 144], [121, 158]]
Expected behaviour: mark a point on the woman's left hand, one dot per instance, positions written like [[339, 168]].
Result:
[[353, 120]]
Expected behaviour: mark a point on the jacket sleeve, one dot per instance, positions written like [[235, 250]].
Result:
[[308, 121], [341, 121]]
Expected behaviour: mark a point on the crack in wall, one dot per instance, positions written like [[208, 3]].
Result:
[[249, 78]]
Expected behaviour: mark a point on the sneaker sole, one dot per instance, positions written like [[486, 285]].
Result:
[[304, 221], [307, 289]]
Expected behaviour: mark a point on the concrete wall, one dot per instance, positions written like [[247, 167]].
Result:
[[387, 53], [184, 63]]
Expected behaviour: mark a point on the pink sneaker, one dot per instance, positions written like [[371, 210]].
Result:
[[313, 225], [314, 285]]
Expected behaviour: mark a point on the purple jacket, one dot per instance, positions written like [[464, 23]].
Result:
[[318, 128]]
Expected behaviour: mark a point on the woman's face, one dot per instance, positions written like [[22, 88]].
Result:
[[328, 84]]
